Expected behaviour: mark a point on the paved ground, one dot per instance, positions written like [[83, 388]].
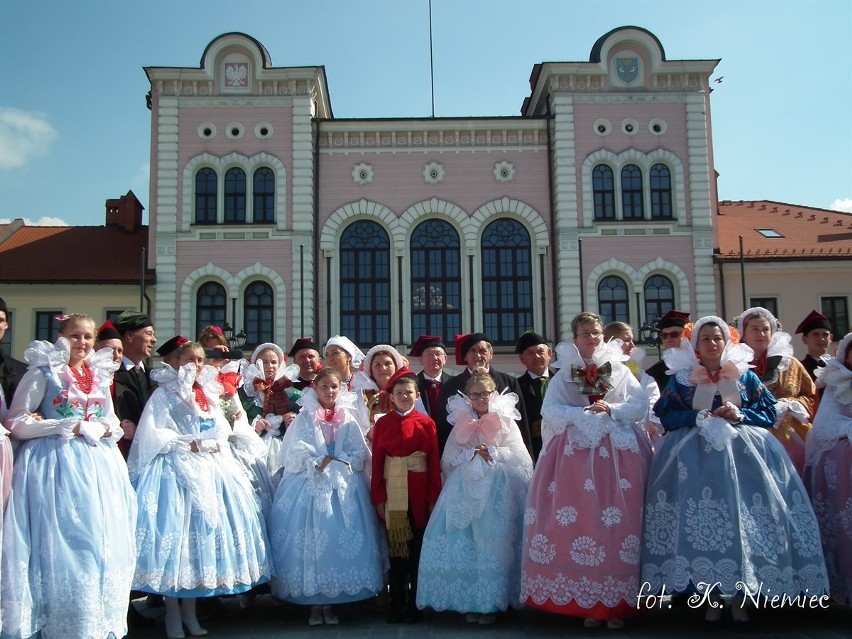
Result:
[[265, 620]]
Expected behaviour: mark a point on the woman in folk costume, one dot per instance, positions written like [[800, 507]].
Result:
[[828, 469], [274, 404], [68, 539], [380, 364], [325, 534], [784, 376], [246, 445], [342, 355], [724, 504], [583, 520], [622, 331], [470, 561], [200, 531]]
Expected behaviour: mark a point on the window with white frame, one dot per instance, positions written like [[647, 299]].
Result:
[[507, 301], [435, 280], [210, 306], [613, 300], [365, 313], [206, 187]]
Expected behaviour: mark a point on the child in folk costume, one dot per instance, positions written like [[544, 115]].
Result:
[[584, 510], [200, 531], [68, 541], [828, 469], [274, 404], [406, 482], [325, 533], [471, 556]]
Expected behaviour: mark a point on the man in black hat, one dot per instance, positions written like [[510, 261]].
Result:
[[432, 353], [306, 355], [131, 382], [670, 327], [535, 354], [11, 369], [476, 351], [816, 335]]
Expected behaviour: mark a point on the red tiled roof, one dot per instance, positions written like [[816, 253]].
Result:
[[805, 232], [74, 254]]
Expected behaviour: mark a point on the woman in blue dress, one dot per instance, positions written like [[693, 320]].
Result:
[[324, 530], [68, 541], [726, 514], [200, 532], [471, 557]]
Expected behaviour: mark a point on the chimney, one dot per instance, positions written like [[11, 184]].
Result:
[[125, 212]]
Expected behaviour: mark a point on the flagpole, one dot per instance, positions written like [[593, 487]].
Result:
[[431, 61]]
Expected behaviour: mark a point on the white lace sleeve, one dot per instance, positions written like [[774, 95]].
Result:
[[28, 397], [299, 449]]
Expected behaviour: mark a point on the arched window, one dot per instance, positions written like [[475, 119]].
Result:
[[603, 188], [205, 196], [264, 196], [235, 196], [506, 281], [631, 193], [612, 300], [661, 192], [365, 283], [258, 310], [435, 280], [659, 297], [210, 306]]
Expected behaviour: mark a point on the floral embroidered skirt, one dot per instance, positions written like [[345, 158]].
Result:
[[829, 482], [582, 529], [737, 520]]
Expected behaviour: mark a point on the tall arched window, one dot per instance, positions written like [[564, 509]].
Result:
[[631, 193], [264, 196], [659, 297], [365, 283], [205, 196], [210, 306], [258, 311], [435, 280], [235, 196], [603, 188], [506, 281], [661, 192], [612, 300]]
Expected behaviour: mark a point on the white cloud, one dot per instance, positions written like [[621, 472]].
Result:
[[143, 175], [842, 204], [42, 221], [23, 135]]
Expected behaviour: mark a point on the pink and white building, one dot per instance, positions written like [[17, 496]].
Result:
[[268, 212]]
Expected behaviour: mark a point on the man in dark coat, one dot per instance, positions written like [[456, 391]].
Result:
[[432, 353], [476, 351], [535, 354], [306, 355], [816, 335], [670, 327], [11, 369], [132, 383]]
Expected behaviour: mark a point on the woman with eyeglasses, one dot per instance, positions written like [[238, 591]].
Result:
[[470, 562], [726, 515], [583, 520]]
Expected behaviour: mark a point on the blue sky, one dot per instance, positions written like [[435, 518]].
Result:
[[74, 129]]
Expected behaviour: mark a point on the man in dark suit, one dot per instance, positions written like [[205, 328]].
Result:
[[11, 370], [816, 336], [535, 354], [432, 353], [132, 383], [670, 327], [476, 351]]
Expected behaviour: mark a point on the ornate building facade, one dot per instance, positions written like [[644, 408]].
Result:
[[269, 213]]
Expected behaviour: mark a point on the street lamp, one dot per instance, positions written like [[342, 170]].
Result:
[[234, 341], [648, 334]]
